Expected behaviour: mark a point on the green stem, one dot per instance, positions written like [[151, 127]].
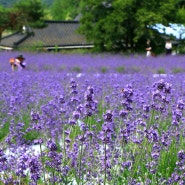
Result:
[[53, 178], [80, 162], [105, 160], [43, 164], [64, 158]]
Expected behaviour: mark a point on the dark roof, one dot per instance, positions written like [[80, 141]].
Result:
[[56, 33]]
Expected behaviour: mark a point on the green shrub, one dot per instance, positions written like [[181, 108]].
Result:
[[47, 67], [177, 70], [77, 69], [120, 69], [161, 71], [61, 68], [135, 69], [104, 69]]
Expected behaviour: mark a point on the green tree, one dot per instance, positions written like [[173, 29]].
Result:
[[65, 9], [31, 12], [4, 20], [8, 20], [119, 25]]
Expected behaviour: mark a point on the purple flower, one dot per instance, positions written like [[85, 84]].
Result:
[[108, 116], [61, 99], [88, 97], [76, 115], [155, 155], [108, 127], [123, 113], [127, 164], [167, 88], [38, 141], [51, 145], [35, 116], [21, 166], [181, 155], [3, 161], [67, 140], [159, 85], [180, 105], [127, 93], [156, 95], [73, 84], [146, 108], [34, 167]]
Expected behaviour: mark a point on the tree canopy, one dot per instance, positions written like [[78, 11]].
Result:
[[117, 25], [3, 20], [30, 13], [112, 25], [65, 9]]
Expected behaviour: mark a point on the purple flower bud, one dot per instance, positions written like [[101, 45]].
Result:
[[76, 115], [51, 145], [35, 116], [181, 155], [108, 116], [180, 104], [61, 99], [90, 90], [123, 113]]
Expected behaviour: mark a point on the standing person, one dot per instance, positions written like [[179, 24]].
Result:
[[17, 62], [148, 49], [168, 47]]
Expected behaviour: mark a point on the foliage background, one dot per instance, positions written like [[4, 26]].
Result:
[[113, 26], [9, 3]]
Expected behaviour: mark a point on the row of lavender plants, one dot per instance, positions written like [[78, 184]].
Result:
[[104, 63], [94, 128]]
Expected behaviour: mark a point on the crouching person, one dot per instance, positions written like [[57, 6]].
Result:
[[18, 62]]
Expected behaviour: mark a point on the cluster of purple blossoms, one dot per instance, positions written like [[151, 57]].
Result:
[[127, 95], [106, 136], [61, 102], [12, 105], [90, 104], [16, 133], [36, 121], [3, 161], [54, 160], [178, 113], [155, 154], [152, 135], [125, 127], [160, 95], [108, 127], [35, 116], [73, 92], [126, 165], [22, 166], [34, 166], [178, 176], [180, 164]]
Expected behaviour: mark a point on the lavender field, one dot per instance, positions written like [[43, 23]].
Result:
[[74, 119]]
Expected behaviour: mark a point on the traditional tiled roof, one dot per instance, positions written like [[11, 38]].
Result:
[[61, 34]]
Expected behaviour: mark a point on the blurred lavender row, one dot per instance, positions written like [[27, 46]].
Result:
[[91, 63]]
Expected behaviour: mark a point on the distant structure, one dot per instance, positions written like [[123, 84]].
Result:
[[56, 34]]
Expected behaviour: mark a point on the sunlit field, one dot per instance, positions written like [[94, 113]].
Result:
[[74, 119]]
